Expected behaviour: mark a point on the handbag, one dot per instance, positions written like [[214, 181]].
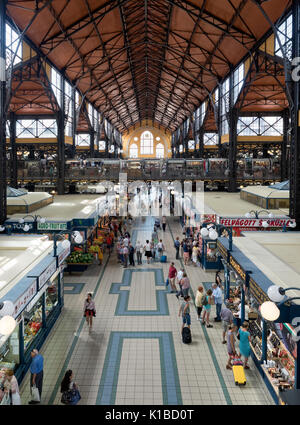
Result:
[[5, 400], [167, 281], [70, 396], [35, 394]]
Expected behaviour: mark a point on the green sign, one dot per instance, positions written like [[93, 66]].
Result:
[[51, 226]]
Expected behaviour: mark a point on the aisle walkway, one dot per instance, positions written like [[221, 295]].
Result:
[[134, 354]]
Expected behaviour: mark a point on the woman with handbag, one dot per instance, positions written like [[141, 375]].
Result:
[[89, 310], [69, 389], [11, 384]]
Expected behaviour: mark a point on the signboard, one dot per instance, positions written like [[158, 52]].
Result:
[[24, 299], [63, 255], [256, 292], [254, 222], [222, 250], [51, 226], [235, 265], [45, 276]]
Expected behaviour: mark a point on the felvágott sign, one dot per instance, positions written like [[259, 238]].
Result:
[[24, 299], [45, 276], [255, 222]]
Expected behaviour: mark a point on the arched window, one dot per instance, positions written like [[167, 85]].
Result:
[[160, 150], [147, 143], [133, 151]]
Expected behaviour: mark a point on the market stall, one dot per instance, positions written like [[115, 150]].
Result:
[[35, 287], [273, 346]]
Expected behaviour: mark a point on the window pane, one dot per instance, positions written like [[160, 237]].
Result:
[[146, 143]]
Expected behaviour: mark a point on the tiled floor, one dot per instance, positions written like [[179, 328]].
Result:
[[134, 354]]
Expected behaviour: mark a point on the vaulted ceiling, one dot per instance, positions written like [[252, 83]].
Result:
[[145, 59]]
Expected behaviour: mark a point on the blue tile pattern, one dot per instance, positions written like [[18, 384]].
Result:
[[76, 288], [161, 299], [169, 372]]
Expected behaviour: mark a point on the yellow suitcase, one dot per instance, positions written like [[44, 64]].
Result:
[[239, 375]]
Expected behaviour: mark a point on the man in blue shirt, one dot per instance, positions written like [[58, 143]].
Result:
[[217, 294], [36, 369]]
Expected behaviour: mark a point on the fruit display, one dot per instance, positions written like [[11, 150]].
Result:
[[79, 257]]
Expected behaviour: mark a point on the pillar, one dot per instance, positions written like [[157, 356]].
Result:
[[284, 159], [13, 159], [295, 119], [201, 142], [264, 348], [61, 142], [3, 205]]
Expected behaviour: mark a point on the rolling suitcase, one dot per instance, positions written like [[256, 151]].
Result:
[[186, 335], [163, 259], [238, 372]]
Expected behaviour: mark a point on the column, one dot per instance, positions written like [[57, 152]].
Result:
[[92, 143], [284, 158], [3, 205], [201, 142], [264, 348], [74, 123], [61, 142], [295, 121], [13, 152]]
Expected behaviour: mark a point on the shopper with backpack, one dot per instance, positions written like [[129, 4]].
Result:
[[207, 301], [184, 311]]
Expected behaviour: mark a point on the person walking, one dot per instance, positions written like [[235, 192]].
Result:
[[125, 255], [217, 294], [172, 275], [186, 255], [185, 284], [164, 223], [89, 310], [109, 243], [227, 320], [230, 345], [11, 385], [139, 252], [160, 248], [207, 301], [195, 253], [244, 345], [68, 385], [218, 279], [122, 254], [37, 373], [147, 249], [177, 246], [198, 301], [184, 311], [131, 255]]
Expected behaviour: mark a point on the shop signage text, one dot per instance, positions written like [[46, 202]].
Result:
[[20, 226], [255, 222], [24, 299], [222, 250], [237, 268], [257, 292], [51, 226], [45, 276]]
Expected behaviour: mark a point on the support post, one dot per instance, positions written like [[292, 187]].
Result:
[[295, 133], [284, 159], [61, 142], [13, 152], [74, 123], [3, 183], [242, 304], [264, 347], [201, 142]]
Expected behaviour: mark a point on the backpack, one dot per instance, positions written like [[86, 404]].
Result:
[[204, 300]]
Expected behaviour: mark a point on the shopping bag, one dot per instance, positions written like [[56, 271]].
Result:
[[35, 394], [167, 281], [66, 397], [5, 400]]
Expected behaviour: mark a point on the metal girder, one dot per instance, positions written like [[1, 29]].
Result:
[[67, 37]]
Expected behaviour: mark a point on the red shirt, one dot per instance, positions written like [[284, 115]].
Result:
[[108, 240], [172, 272]]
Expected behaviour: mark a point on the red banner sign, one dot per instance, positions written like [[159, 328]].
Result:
[[254, 222]]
